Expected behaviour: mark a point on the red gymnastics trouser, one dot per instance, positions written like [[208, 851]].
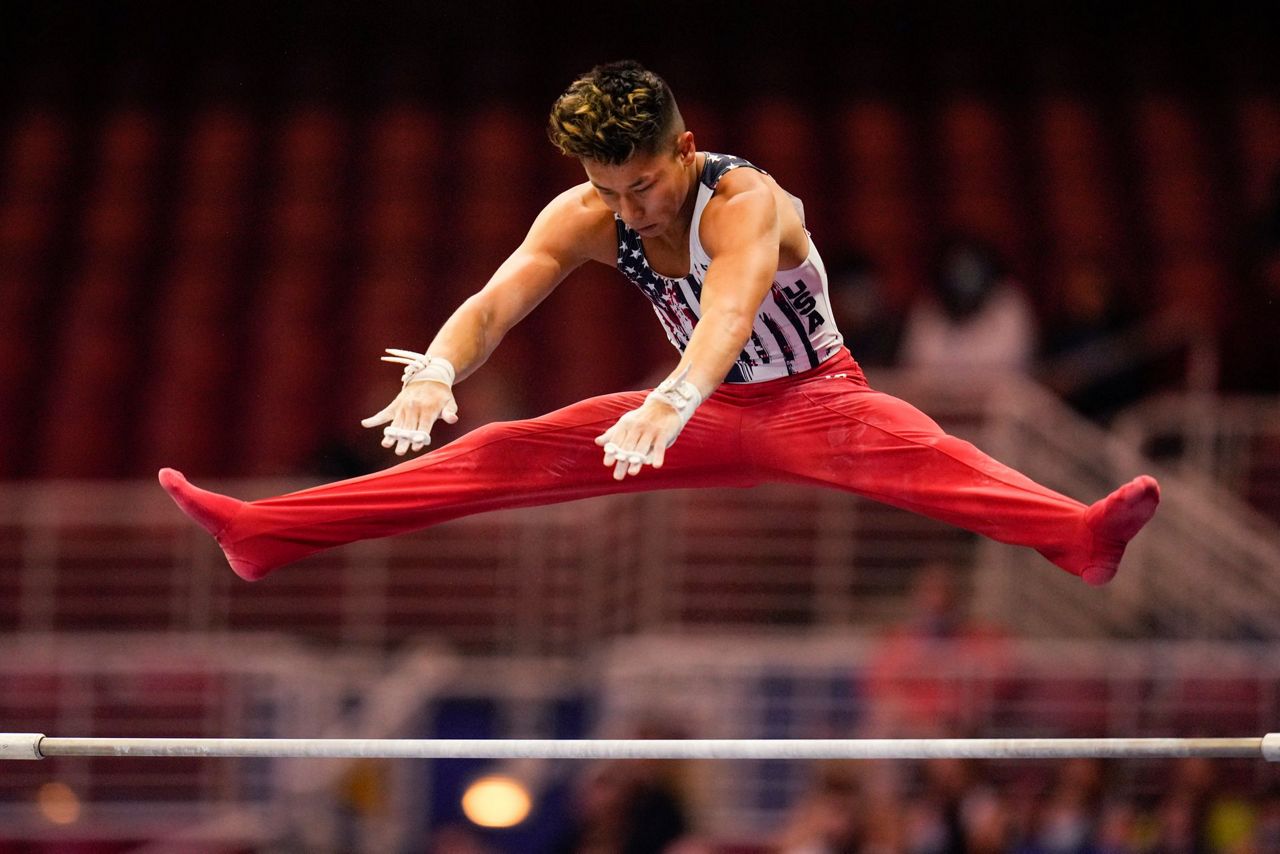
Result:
[[824, 427]]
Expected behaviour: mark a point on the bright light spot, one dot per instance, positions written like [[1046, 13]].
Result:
[[58, 803], [496, 801]]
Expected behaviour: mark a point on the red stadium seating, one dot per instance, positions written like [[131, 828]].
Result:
[[785, 140], [185, 422], [979, 181], [1259, 129], [882, 204], [1176, 183], [1181, 205], [1079, 179], [322, 236], [290, 337], [86, 428]]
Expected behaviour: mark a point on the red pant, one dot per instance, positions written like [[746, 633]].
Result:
[[824, 427]]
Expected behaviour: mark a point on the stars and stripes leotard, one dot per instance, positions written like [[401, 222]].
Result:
[[793, 331]]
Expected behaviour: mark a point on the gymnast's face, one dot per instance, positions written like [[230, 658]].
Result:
[[649, 191]]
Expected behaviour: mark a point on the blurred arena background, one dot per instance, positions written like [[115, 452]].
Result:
[[214, 217]]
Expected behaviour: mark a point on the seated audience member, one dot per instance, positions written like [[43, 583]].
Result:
[[974, 320]]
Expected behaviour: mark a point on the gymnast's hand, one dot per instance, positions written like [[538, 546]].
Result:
[[640, 437], [426, 396]]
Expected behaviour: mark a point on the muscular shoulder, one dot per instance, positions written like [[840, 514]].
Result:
[[741, 181], [577, 222], [743, 203], [751, 205]]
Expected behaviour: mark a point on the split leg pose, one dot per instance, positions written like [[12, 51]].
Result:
[[765, 390]]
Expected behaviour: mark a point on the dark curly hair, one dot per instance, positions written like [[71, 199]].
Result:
[[612, 112]]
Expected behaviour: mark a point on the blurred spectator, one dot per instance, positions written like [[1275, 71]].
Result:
[[362, 798], [922, 676], [1202, 812], [625, 807], [956, 810], [835, 817], [871, 331], [954, 806], [1067, 820], [1266, 830], [455, 839], [1088, 359], [1118, 828], [974, 321], [1177, 824]]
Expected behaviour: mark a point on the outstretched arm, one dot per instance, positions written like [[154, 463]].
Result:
[[741, 231], [563, 236]]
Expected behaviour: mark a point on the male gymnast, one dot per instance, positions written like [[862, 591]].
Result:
[[764, 391]]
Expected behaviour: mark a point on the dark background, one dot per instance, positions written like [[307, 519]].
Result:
[[360, 168], [458, 55]]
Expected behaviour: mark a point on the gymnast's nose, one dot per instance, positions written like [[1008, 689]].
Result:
[[632, 213]]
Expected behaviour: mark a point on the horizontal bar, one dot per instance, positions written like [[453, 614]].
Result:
[[37, 746]]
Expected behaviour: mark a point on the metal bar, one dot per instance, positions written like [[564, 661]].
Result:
[[38, 746]]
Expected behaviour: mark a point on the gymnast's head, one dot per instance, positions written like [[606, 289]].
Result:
[[621, 121]]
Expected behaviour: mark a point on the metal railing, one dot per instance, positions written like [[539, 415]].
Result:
[[1234, 441], [543, 581], [1206, 566], [560, 580]]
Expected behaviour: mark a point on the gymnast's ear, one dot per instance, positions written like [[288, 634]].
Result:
[[686, 148]]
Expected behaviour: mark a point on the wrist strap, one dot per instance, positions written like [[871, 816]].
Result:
[[680, 394], [419, 367]]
